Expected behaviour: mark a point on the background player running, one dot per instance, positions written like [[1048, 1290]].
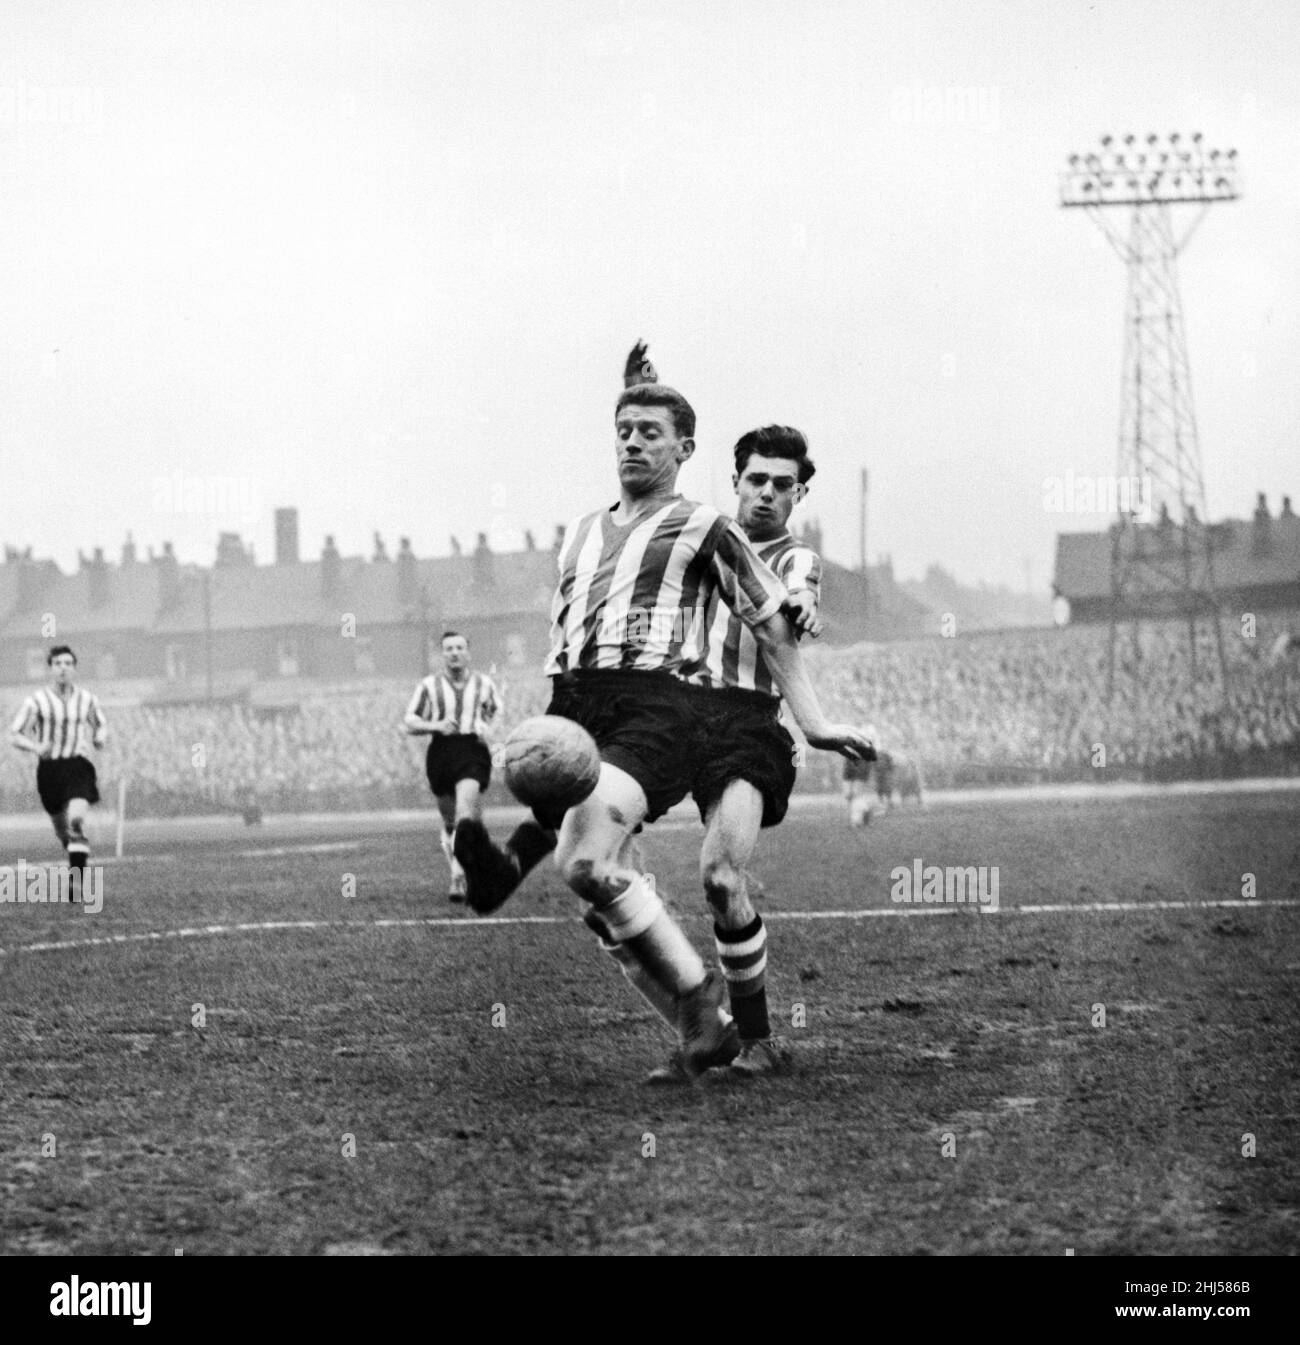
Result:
[[455, 708], [634, 581], [60, 725]]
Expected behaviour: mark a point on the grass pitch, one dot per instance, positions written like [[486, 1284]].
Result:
[[357, 1079]]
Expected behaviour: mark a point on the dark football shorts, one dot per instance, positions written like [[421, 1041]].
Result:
[[743, 739], [59, 779], [457, 756], [643, 722]]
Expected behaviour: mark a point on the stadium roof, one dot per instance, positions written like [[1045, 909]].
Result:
[[1083, 559], [151, 596]]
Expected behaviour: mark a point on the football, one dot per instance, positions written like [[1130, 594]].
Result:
[[550, 760]]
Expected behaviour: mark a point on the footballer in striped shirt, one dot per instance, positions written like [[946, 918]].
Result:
[[455, 707], [60, 725], [748, 771], [746, 768], [635, 583]]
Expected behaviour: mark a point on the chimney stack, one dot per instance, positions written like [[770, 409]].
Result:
[[286, 536], [169, 578], [484, 566], [97, 579], [331, 570], [408, 594]]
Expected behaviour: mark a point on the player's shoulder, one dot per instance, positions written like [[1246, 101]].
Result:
[[588, 519], [786, 550], [713, 523], [705, 513]]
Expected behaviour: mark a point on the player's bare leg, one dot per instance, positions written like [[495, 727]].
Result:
[[468, 801], [75, 842], [591, 841], [467, 806], [447, 818], [731, 832]]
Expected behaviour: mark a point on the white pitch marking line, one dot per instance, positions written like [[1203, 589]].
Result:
[[1065, 908], [150, 857], [326, 847], [445, 922]]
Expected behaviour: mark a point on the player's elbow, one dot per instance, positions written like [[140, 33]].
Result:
[[773, 633]]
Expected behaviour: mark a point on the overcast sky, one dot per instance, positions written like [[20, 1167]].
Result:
[[383, 261]]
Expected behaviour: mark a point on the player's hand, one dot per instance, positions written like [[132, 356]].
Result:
[[446, 726], [45, 752], [844, 739], [801, 608]]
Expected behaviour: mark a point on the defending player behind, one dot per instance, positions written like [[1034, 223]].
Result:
[[455, 708], [60, 725]]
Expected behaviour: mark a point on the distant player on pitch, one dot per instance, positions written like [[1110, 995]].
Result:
[[635, 579], [455, 708], [59, 725], [858, 790]]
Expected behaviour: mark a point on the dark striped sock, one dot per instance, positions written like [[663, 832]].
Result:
[[77, 847], [744, 964]]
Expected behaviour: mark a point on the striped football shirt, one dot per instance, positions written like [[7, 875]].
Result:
[[473, 703], [67, 727], [634, 597], [732, 657]]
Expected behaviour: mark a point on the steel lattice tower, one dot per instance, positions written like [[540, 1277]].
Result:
[[1162, 557]]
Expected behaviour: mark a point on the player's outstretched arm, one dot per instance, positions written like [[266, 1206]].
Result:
[[776, 637]]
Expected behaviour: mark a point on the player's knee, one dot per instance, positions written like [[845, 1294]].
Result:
[[589, 878], [722, 884]]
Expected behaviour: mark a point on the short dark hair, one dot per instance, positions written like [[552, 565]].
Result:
[[452, 635], [776, 441], [56, 651], [659, 394]]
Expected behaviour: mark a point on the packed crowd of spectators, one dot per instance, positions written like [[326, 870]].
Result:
[[1033, 705], [1012, 706]]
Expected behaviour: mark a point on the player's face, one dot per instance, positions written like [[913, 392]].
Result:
[[768, 490], [62, 669], [455, 654], [649, 452]]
